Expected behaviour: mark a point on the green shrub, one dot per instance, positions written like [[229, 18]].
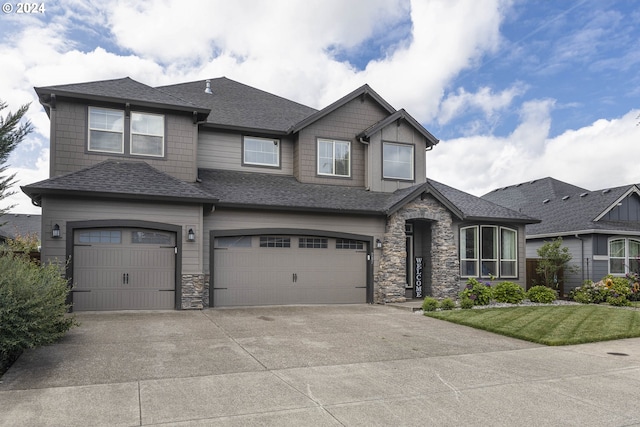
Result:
[[466, 303], [478, 292], [541, 294], [429, 304], [447, 304], [33, 309], [508, 292], [602, 291], [619, 301], [590, 293]]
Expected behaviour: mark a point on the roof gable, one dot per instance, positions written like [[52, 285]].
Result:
[[464, 206], [362, 91], [400, 115]]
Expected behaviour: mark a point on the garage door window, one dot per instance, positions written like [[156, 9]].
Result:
[[150, 238], [100, 236], [313, 242], [349, 244], [233, 242], [275, 242]]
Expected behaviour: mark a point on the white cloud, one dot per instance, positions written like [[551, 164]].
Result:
[[25, 176], [484, 99], [597, 156]]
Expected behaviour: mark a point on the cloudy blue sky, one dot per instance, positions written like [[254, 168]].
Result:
[[515, 90]]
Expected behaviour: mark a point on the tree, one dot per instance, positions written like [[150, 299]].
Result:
[[553, 259], [12, 132]]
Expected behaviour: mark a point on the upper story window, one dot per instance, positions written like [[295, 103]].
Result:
[[492, 249], [624, 256], [147, 134], [109, 134], [261, 151], [106, 130], [397, 161], [334, 157]]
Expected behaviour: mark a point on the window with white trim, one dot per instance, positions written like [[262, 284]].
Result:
[[334, 157], [397, 161], [147, 134], [144, 134], [261, 151], [106, 130], [624, 256], [491, 248]]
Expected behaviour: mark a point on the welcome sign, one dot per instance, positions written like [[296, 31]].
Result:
[[418, 277]]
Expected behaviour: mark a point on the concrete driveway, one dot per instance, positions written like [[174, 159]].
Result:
[[314, 365]]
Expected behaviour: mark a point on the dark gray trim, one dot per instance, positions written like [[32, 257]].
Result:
[[291, 232], [407, 144], [300, 208], [400, 115], [72, 226]]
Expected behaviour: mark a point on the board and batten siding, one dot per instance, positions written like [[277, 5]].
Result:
[[219, 150], [69, 133], [402, 134], [342, 124], [233, 219], [60, 210]]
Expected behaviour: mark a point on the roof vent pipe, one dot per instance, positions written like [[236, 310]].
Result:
[[207, 88]]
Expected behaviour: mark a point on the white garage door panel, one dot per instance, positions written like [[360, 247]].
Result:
[[275, 276]]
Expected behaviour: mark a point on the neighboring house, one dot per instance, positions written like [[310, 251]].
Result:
[[214, 193], [15, 225], [600, 228]]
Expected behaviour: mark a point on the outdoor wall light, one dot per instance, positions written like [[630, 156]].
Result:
[[191, 236], [378, 244], [55, 231]]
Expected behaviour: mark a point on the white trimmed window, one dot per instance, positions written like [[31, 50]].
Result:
[[142, 136], [261, 151], [624, 256], [147, 134], [397, 161], [334, 157], [492, 248], [106, 130]]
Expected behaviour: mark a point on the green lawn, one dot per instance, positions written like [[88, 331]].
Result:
[[551, 325]]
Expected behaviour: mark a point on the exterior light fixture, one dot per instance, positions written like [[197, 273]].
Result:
[[191, 236], [55, 231], [378, 244]]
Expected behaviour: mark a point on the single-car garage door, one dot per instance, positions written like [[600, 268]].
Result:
[[123, 269], [274, 270]]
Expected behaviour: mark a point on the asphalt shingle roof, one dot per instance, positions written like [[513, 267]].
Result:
[[247, 189], [123, 179], [475, 208], [563, 208], [235, 105], [12, 225], [125, 89]]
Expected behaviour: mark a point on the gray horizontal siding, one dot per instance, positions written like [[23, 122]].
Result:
[[218, 150], [60, 210]]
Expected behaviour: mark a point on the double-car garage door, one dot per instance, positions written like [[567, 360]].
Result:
[[135, 269], [275, 270], [123, 269]]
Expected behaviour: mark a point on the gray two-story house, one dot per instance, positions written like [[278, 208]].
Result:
[[214, 193]]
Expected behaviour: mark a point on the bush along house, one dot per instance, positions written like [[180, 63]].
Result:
[[214, 193]]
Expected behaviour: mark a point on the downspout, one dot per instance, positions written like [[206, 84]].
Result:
[[581, 256]]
